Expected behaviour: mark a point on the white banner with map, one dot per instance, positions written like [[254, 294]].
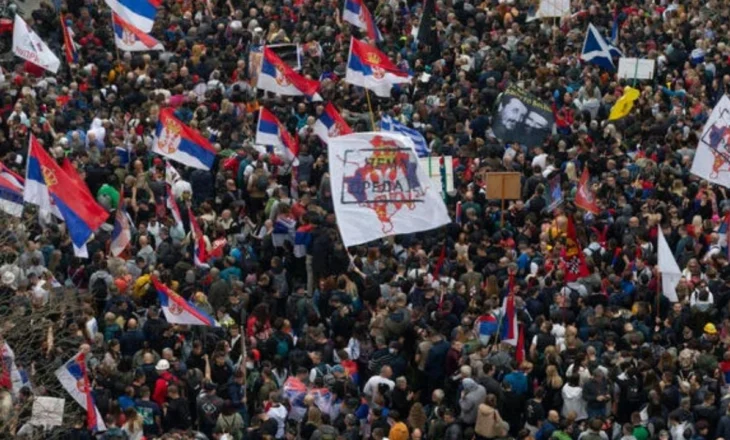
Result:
[[380, 189]]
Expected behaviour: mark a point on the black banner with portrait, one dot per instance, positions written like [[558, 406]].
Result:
[[520, 117]]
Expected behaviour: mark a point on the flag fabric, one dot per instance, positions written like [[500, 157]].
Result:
[[380, 188], [11, 198], [79, 210], [278, 77], [613, 40], [29, 46], [74, 378], [573, 257], [330, 124], [671, 274], [69, 47], [358, 15], [302, 239], [295, 391], [389, 124], [68, 168], [284, 230], [139, 13], [200, 250], [486, 326], [11, 176], [712, 156], [131, 39], [520, 348], [122, 233], [426, 33], [584, 197], [368, 67], [10, 377], [624, 104], [171, 174], [178, 142], [71, 172], [174, 208], [596, 50], [270, 131], [179, 311], [509, 330]]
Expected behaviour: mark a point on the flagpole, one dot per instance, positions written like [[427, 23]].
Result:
[[370, 108]]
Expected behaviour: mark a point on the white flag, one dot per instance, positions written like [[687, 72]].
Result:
[[671, 274], [171, 174], [712, 158], [29, 46], [380, 189]]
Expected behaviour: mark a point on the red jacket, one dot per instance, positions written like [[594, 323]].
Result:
[[159, 396]]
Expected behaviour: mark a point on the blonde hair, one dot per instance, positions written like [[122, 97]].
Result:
[[314, 416], [553, 378], [571, 172]]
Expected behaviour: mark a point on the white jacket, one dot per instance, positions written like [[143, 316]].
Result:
[[573, 401]]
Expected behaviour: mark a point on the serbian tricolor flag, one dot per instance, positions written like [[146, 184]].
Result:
[[180, 143], [139, 13], [330, 124], [131, 39], [11, 198], [79, 210], [270, 131], [370, 68], [71, 172], [16, 179], [74, 378], [179, 311], [584, 197], [509, 321], [278, 77], [357, 14], [69, 47], [200, 250], [174, 208]]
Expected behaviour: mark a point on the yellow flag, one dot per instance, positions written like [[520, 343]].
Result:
[[624, 104]]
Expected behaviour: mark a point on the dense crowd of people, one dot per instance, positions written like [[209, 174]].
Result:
[[386, 340]]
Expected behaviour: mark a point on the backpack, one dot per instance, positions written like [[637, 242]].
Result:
[[633, 392], [282, 348], [262, 182], [99, 289]]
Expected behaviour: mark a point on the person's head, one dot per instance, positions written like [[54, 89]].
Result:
[[449, 416], [512, 112], [173, 392], [553, 416]]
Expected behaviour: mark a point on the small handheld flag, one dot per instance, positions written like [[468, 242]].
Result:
[[179, 311]]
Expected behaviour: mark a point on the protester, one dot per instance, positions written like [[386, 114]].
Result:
[[594, 306]]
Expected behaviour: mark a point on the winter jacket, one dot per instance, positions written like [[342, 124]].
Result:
[[474, 395], [488, 419]]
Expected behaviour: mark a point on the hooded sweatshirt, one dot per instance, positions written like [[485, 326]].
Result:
[[474, 395]]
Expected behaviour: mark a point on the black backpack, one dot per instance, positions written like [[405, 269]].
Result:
[[99, 289]]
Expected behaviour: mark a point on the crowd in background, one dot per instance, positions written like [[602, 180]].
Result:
[[387, 338]]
